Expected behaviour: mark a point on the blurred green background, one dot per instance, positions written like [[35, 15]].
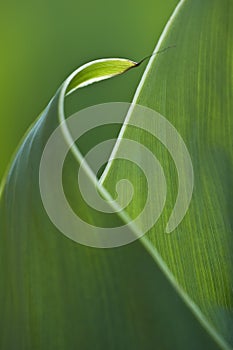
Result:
[[43, 42]]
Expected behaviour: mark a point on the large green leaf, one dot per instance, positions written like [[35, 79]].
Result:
[[57, 294], [192, 86]]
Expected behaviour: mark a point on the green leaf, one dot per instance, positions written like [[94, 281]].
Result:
[[58, 294], [97, 71], [192, 86]]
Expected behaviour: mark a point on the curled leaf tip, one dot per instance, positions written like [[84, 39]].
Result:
[[98, 70]]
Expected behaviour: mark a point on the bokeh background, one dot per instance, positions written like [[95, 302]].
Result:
[[42, 42]]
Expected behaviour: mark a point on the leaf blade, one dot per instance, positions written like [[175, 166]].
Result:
[[178, 85]]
